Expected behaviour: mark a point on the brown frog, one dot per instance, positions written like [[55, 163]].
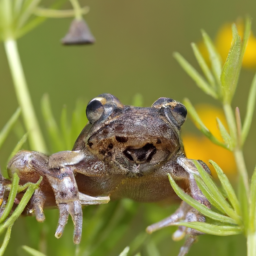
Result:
[[123, 152]]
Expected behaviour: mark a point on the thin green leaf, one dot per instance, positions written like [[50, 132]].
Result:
[[247, 31], [28, 10], [211, 229], [214, 56], [196, 119], [11, 197], [6, 240], [125, 251], [231, 68], [65, 128], [216, 193], [198, 206], [7, 128], [201, 83], [207, 193], [18, 146], [250, 110], [200, 59], [137, 100], [23, 203], [52, 128], [227, 187], [252, 217], [32, 251], [243, 199], [229, 142]]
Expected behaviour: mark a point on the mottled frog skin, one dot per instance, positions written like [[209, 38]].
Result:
[[123, 152]]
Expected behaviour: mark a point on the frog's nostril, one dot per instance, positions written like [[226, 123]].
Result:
[[121, 139], [140, 155]]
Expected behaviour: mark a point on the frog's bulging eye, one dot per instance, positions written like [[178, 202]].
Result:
[[111, 100], [161, 102], [173, 110], [180, 113], [95, 109]]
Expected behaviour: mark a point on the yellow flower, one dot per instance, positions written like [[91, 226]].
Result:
[[200, 147], [223, 42]]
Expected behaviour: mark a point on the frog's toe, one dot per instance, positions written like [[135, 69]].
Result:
[[75, 210], [37, 205]]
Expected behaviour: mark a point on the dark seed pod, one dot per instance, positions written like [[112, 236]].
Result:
[[78, 34]]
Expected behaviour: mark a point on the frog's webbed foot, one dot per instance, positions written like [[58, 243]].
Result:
[[58, 172]]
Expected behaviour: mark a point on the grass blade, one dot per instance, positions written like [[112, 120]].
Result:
[[229, 142], [252, 217], [125, 251], [23, 203], [214, 56], [32, 251], [200, 59], [217, 194], [6, 240], [11, 197], [137, 100], [227, 187], [198, 206], [18, 146], [196, 119], [65, 128], [201, 83], [231, 68], [211, 229], [52, 128], [250, 110], [7, 128]]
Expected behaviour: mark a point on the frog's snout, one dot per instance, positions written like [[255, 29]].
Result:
[[140, 155]]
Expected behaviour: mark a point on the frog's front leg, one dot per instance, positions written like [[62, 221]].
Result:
[[185, 170], [59, 172]]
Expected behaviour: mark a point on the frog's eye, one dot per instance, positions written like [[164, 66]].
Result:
[[173, 110], [95, 109], [111, 100]]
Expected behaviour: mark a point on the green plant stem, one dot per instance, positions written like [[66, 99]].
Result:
[[35, 136], [240, 163], [77, 9], [237, 151], [251, 244], [230, 120]]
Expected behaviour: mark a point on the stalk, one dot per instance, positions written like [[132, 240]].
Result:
[[238, 154], [77, 9], [35, 136], [251, 244]]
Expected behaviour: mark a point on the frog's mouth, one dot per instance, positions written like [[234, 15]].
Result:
[[140, 155]]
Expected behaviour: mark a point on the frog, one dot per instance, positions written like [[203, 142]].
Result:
[[123, 152]]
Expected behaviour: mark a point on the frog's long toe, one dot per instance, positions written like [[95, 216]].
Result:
[[75, 210]]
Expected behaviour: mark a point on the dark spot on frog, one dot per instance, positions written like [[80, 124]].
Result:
[[119, 128], [102, 152], [110, 146], [158, 141], [63, 194], [109, 154], [121, 139]]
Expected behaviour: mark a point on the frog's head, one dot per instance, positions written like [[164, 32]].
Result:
[[136, 140]]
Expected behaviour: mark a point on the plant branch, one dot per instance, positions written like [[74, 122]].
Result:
[[35, 136]]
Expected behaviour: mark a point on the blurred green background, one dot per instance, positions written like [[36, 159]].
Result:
[[135, 41]]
